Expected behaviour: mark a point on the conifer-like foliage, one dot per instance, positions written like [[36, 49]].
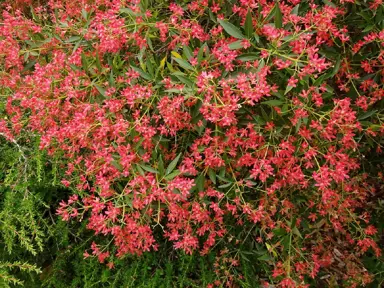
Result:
[[204, 143]]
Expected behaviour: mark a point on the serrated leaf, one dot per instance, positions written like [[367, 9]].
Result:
[[172, 165], [231, 29]]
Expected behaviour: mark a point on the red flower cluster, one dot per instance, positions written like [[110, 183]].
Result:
[[218, 127]]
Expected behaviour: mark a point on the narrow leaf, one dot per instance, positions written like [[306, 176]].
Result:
[[172, 175], [235, 45], [143, 74], [367, 115], [100, 89], [248, 26], [289, 88], [278, 17], [172, 165], [200, 182], [149, 169], [273, 102], [231, 29], [212, 175], [183, 63], [248, 56]]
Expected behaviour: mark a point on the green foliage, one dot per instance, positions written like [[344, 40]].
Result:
[[39, 250], [6, 279]]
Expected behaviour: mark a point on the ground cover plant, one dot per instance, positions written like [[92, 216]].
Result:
[[202, 143]]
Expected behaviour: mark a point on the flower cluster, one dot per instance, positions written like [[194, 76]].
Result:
[[219, 127]]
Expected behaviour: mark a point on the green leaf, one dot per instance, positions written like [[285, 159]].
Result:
[[289, 88], [160, 165], [172, 165], [84, 14], [149, 169], [369, 28], [336, 67], [29, 65], [278, 16], [235, 45], [127, 11], [248, 56], [200, 182], [231, 29], [273, 102], [279, 232], [73, 39], [143, 74], [212, 175], [172, 175], [98, 63], [296, 232], [248, 26], [117, 164], [183, 63], [84, 62], [185, 80], [223, 179], [187, 51], [295, 11], [140, 170], [225, 185], [100, 89], [367, 115], [270, 14], [200, 54], [265, 257]]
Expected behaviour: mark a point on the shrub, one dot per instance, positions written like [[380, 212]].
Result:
[[238, 128]]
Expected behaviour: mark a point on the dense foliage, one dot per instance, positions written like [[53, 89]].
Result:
[[200, 143]]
